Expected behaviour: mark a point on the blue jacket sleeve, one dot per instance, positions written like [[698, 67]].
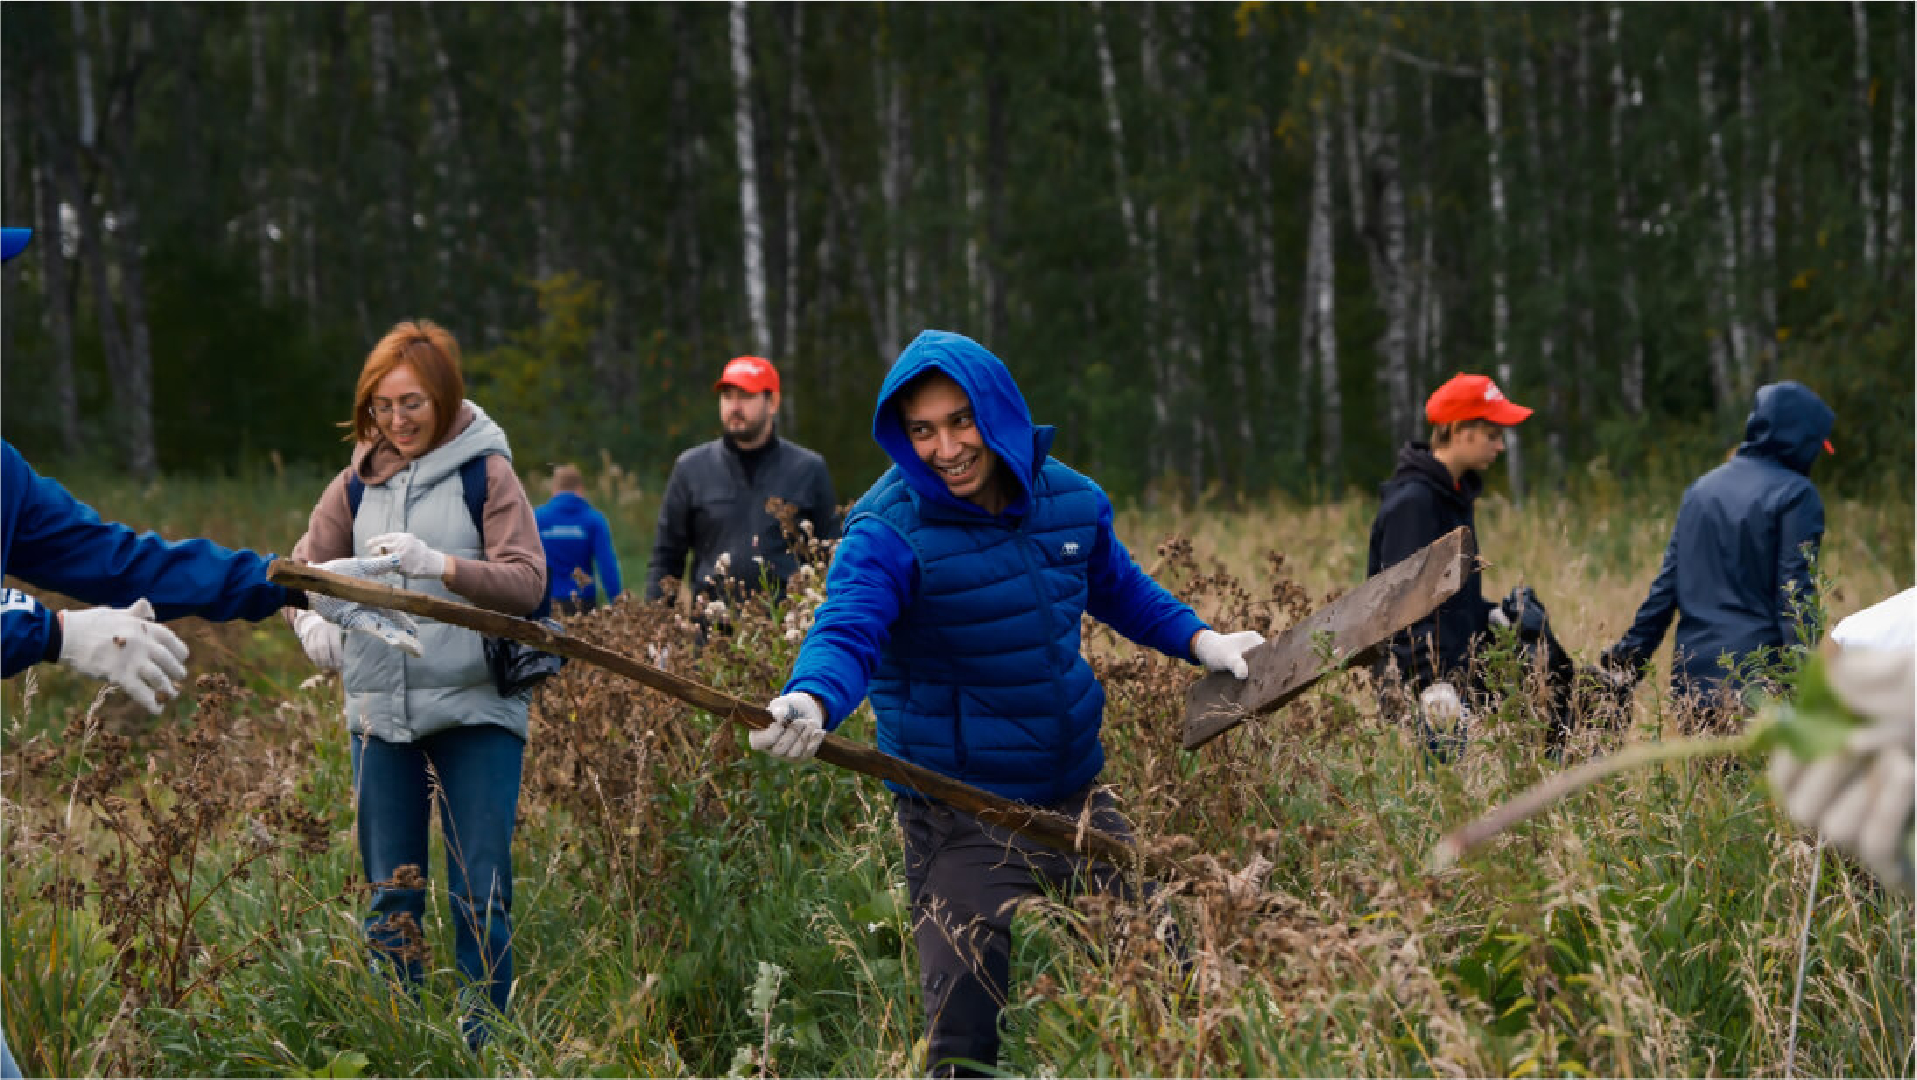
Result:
[[873, 578], [604, 561], [58, 542], [1125, 598], [1653, 616], [1800, 532], [26, 632]]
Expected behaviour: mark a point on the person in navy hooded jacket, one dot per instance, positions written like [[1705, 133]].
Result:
[[1737, 573], [955, 601]]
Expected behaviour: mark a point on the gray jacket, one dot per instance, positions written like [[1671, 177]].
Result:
[[710, 510], [393, 696]]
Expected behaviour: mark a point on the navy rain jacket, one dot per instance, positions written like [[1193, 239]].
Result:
[[51, 540], [965, 625], [1742, 548]]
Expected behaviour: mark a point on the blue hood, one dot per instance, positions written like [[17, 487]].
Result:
[[1788, 425], [997, 407]]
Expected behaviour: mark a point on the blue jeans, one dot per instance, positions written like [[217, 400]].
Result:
[[475, 772]]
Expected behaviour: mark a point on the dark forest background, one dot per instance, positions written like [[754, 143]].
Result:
[[1223, 247]]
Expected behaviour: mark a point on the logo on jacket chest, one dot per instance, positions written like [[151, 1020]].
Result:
[[1068, 550]]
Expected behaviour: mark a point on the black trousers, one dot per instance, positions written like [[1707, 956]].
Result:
[[966, 878]]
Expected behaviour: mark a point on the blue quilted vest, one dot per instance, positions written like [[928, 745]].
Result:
[[982, 679]]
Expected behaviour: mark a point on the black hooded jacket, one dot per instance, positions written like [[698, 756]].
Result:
[[1422, 503], [1745, 536]]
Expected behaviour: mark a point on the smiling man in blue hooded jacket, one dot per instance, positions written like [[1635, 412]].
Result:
[[1737, 573], [955, 602]]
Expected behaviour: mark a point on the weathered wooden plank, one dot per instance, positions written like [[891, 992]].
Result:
[[1335, 635], [1048, 828]]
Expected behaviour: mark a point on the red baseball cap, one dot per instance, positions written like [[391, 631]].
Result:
[[1472, 397], [753, 374]]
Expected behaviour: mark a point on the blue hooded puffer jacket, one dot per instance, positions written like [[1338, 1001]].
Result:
[[965, 625], [1745, 534]]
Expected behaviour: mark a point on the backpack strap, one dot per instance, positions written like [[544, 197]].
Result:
[[472, 483]]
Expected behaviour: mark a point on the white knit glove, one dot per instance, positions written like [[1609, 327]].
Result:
[[325, 644], [1861, 798], [415, 558], [1226, 652], [395, 628], [125, 647], [797, 728]]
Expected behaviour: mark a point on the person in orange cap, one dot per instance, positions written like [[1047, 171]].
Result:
[[715, 504], [1430, 494]]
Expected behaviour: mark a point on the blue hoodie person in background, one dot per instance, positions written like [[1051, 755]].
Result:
[[955, 602], [1737, 574], [578, 543]]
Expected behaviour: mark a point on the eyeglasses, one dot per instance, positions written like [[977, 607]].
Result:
[[409, 406]]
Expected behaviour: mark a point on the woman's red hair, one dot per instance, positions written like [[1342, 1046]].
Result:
[[431, 352]]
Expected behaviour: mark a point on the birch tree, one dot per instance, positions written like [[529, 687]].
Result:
[[751, 228], [1866, 172], [1622, 181], [1500, 298], [1318, 329]]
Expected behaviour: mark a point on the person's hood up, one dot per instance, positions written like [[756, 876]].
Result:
[[1417, 464], [1789, 425], [1004, 420], [472, 432]]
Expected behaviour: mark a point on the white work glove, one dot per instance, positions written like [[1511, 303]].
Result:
[[415, 558], [797, 728], [395, 628], [1498, 617], [1861, 798], [125, 647], [1444, 722], [1225, 652], [325, 644]]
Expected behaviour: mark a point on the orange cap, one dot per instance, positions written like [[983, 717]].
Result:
[[753, 374], [1472, 397]]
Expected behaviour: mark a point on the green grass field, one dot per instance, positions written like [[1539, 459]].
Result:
[[181, 897]]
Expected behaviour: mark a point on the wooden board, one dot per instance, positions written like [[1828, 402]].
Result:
[[1335, 635]]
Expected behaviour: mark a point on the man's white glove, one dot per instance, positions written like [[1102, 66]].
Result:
[[1498, 617], [1225, 652], [125, 647], [797, 728], [1861, 798], [415, 558], [325, 644], [395, 628]]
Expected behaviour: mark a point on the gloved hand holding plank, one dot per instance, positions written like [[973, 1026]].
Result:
[[1340, 633]]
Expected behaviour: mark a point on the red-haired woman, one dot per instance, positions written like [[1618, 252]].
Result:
[[436, 721]]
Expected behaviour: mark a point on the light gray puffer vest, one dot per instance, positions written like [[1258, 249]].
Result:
[[390, 695]]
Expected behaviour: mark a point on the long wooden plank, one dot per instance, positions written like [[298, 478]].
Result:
[[1053, 830], [1335, 635]]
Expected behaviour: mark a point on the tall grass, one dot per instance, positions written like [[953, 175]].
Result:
[[1648, 926]]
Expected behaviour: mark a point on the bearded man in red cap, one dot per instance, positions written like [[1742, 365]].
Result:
[[1430, 494], [715, 504]]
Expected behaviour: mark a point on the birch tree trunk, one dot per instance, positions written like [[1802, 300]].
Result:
[[751, 230], [1729, 354], [1430, 303], [1385, 244], [565, 208], [1767, 268], [1539, 223], [1136, 238], [1627, 224], [787, 342], [1866, 169], [1500, 298], [58, 301], [1318, 337]]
